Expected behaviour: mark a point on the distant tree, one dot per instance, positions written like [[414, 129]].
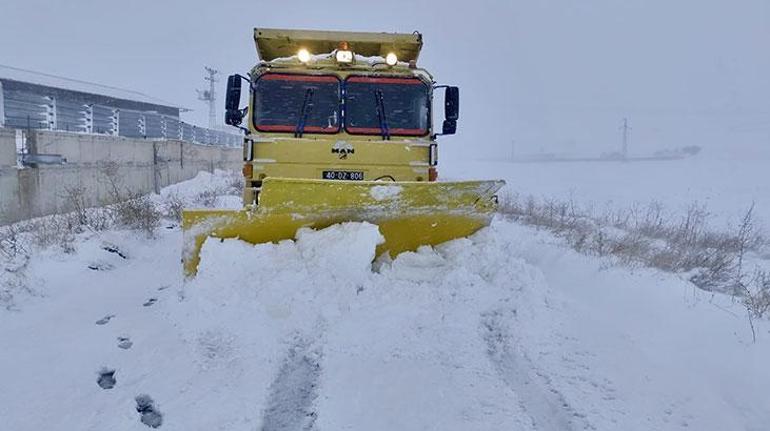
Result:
[[691, 150]]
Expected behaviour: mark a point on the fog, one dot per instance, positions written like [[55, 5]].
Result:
[[545, 281], [552, 75]]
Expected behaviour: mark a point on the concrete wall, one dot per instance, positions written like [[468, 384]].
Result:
[[141, 165], [8, 180], [7, 147]]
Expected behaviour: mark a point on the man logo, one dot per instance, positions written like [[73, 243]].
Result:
[[343, 148]]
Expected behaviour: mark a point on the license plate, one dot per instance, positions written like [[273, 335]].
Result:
[[343, 175]]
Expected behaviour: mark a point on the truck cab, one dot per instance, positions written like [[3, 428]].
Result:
[[338, 106]]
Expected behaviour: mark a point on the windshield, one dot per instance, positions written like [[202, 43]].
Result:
[[297, 103], [386, 106]]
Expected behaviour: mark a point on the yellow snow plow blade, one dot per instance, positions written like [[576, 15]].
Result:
[[408, 214]]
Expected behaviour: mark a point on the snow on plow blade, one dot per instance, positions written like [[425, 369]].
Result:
[[408, 214]]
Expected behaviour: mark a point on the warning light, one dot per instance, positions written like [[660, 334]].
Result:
[[303, 55]]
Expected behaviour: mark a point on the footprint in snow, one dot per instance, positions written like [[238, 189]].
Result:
[[125, 343], [151, 416], [104, 320], [106, 378], [150, 302], [100, 266], [115, 250]]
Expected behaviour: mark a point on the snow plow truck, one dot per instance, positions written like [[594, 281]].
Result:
[[339, 127]]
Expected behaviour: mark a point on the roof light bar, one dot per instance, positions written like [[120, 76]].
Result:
[[303, 55], [344, 56]]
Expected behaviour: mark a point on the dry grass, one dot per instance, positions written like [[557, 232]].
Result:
[[235, 183], [713, 260], [646, 236], [56, 230], [207, 198], [137, 212], [129, 209], [76, 197], [122, 208], [757, 297], [173, 205]]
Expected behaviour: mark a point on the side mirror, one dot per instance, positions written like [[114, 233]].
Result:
[[449, 127], [233, 114], [452, 103], [451, 110]]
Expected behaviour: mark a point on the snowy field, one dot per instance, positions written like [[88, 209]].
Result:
[[727, 184], [505, 330]]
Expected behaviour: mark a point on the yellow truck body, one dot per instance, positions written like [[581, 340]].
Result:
[[339, 127]]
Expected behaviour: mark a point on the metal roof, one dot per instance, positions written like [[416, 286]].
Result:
[[10, 73]]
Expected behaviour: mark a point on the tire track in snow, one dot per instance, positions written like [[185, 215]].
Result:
[[546, 407], [290, 404]]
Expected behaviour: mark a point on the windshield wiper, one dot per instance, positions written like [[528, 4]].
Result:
[[304, 113], [380, 105]]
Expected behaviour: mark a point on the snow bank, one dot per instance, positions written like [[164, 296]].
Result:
[[640, 350], [220, 182], [505, 329], [392, 340], [468, 335]]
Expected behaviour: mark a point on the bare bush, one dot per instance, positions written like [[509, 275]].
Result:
[[137, 212], [76, 196], [96, 219], [690, 229], [757, 299], [10, 241], [207, 198], [14, 259], [235, 183], [100, 219], [631, 248], [647, 236], [714, 268], [652, 222], [714, 260], [111, 178], [755, 296], [57, 230], [13, 280], [129, 209], [173, 205]]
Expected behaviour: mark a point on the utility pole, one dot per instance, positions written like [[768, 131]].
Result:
[[209, 96], [625, 129], [513, 149]]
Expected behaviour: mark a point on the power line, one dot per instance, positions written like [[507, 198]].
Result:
[[209, 96], [626, 128]]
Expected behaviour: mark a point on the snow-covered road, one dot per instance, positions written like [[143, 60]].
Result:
[[505, 330]]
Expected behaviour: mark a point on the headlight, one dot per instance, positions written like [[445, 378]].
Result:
[[391, 59], [344, 56], [303, 55]]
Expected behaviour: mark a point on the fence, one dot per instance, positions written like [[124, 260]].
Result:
[[34, 110]]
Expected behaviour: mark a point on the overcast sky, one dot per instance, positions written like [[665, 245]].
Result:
[[553, 75]]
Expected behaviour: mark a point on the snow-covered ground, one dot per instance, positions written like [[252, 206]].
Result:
[[506, 329], [727, 184]]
